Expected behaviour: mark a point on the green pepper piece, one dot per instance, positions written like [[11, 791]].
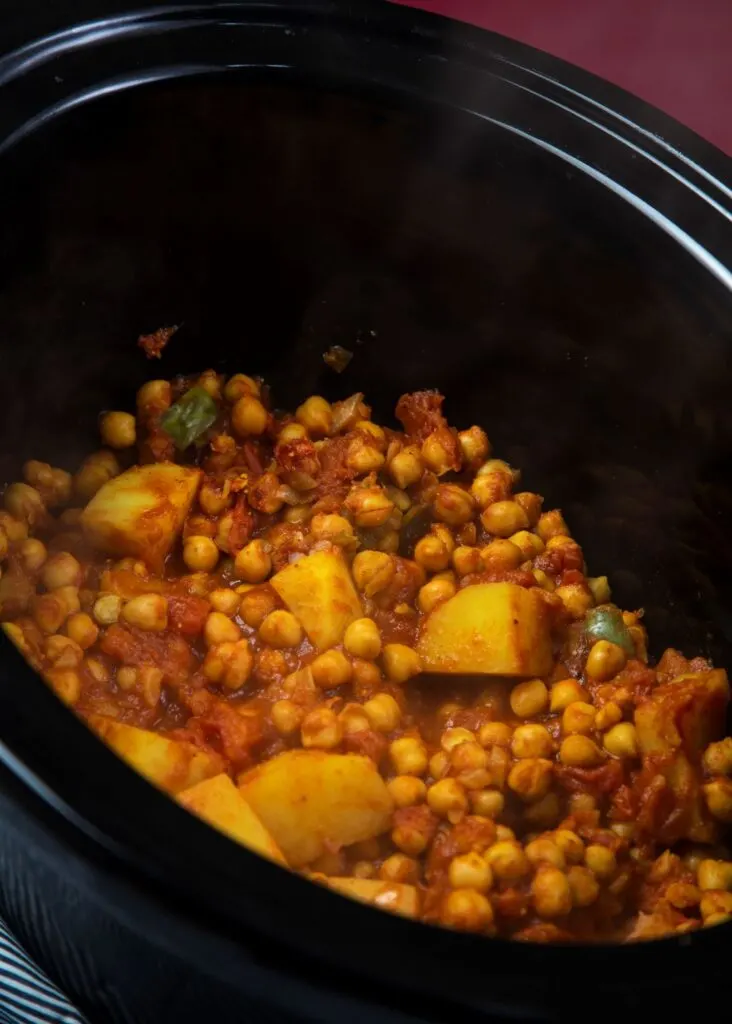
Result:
[[606, 623], [190, 417]]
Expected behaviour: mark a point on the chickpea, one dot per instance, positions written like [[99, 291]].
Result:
[[253, 563], [718, 797], [54, 485], [25, 503], [334, 528], [431, 553], [600, 860], [467, 910], [383, 712], [32, 553], [408, 755], [447, 798], [353, 719], [225, 601], [229, 664], [82, 629], [364, 457], [410, 839], [407, 790], [98, 671], [240, 385], [474, 445], [127, 677], [316, 415], [362, 639], [600, 589], [292, 432], [118, 430], [551, 524], [576, 599], [401, 662], [14, 530], [468, 762], [528, 543], [495, 734], [321, 729], [63, 652], [286, 717], [531, 504], [566, 692], [550, 892], [488, 803], [470, 871], [715, 874], [156, 394], [578, 717], [504, 518], [608, 716], [370, 507], [507, 861], [718, 757], [148, 612], [545, 851], [49, 612], [583, 886], [532, 741], [219, 629], [529, 699], [579, 751], [500, 555], [200, 553], [453, 505], [621, 740], [531, 778], [256, 605], [95, 471], [435, 454], [406, 467], [571, 845], [439, 764], [281, 629], [435, 592], [61, 570], [210, 382], [466, 560], [107, 609], [249, 417], [604, 661], [453, 737], [716, 903], [332, 668], [399, 868], [487, 488]]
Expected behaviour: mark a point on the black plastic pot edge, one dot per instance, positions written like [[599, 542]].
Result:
[[707, 233]]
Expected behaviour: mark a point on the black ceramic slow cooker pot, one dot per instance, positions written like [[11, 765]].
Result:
[[460, 212]]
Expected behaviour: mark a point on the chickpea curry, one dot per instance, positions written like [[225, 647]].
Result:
[[368, 655]]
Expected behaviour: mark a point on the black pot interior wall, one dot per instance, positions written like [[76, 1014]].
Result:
[[272, 222]]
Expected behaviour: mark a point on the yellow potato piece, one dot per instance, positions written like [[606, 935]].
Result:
[[394, 896], [687, 712], [488, 629], [319, 592], [220, 803], [171, 764], [141, 512], [311, 801]]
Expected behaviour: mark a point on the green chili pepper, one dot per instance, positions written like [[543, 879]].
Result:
[[190, 417], [606, 623]]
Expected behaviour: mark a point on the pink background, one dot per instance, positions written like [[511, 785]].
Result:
[[676, 54]]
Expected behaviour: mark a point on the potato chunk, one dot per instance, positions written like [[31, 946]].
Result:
[[319, 592], [311, 801], [688, 712], [394, 896], [141, 512], [496, 629], [220, 803], [171, 764]]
